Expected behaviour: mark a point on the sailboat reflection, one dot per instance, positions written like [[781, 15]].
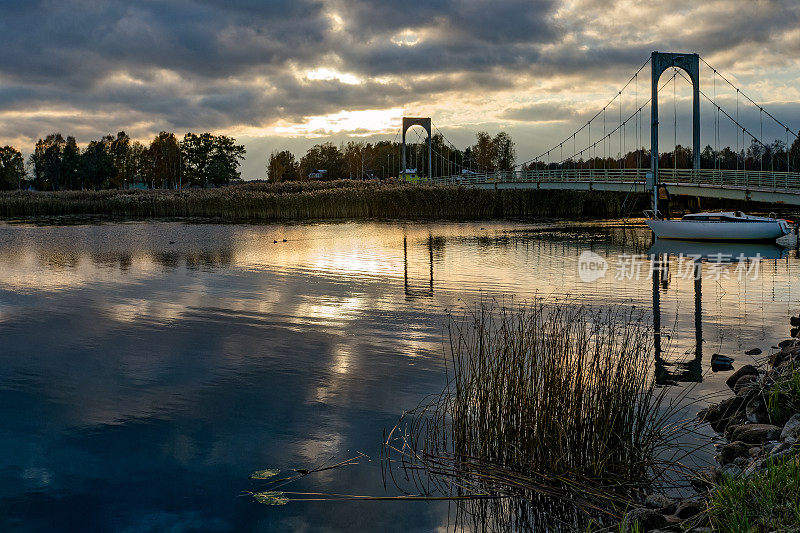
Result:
[[722, 251], [697, 252], [414, 293]]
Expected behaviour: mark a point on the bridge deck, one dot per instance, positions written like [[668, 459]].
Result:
[[757, 186]]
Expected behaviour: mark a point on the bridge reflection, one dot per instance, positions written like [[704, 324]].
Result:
[[698, 253], [413, 292]]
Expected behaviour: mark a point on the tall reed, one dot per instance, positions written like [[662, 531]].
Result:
[[548, 405], [314, 200]]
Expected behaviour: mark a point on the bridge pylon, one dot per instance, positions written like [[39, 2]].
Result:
[[690, 63], [408, 122]]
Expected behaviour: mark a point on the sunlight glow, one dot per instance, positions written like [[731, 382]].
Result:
[[327, 74], [406, 38], [364, 122]]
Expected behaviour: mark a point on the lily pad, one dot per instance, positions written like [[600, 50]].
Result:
[[271, 497], [264, 474]]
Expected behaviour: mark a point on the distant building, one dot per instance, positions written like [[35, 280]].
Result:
[[140, 185], [318, 174], [411, 175]]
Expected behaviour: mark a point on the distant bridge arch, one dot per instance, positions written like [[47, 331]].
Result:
[[409, 122]]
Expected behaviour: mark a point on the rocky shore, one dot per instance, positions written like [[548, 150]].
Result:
[[759, 425]]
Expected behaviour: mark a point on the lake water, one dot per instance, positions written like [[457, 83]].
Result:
[[147, 368]]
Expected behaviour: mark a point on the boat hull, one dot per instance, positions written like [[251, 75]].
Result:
[[690, 230]]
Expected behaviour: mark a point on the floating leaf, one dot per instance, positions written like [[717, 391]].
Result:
[[264, 474], [271, 497]]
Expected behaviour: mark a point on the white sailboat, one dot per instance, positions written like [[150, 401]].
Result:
[[723, 226]]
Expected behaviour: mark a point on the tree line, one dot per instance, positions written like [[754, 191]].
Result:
[[767, 157], [362, 160], [57, 163]]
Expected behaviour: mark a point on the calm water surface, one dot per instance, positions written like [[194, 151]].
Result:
[[147, 368]]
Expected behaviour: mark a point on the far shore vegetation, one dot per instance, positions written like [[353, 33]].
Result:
[[309, 200], [205, 160]]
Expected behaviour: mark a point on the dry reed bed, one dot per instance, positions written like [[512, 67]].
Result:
[[314, 200], [549, 406]]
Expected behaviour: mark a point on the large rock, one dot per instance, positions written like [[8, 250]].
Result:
[[791, 430], [748, 380], [756, 411], [689, 508], [658, 501], [731, 470], [755, 433], [648, 519], [720, 415], [729, 452], [746, 370]]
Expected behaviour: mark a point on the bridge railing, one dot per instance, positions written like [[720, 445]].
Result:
[[744, 179]]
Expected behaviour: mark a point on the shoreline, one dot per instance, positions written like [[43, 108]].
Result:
[[345, 200], [317, 200], [756, 436]]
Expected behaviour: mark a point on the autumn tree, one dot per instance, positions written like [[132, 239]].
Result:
[[484, 152], [325, 157], [71, 164], [45, 162], [165, 161], [282, 166], [505, 152], [12, 168], [97, 165]]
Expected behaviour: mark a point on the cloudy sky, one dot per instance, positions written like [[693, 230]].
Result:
[[289, 73]]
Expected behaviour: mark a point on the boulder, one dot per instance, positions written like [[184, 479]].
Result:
[[648, 519], [719, 415], [748, 380], [755, 433], [749, 391], [787, 453], [742, 462], [658, 501], [729, 452], [756, 411], [778, 358], [689, 508], [791, 430], [746, 370], [771, 445], [705, 479], [731, 470], [754, 467]]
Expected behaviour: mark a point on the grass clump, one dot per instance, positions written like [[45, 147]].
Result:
[[783, 399], [767, 500], [550, 406]]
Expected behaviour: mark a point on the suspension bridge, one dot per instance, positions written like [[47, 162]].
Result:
[[603, 161]]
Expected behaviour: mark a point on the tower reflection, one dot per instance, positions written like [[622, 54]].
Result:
[[411, 292], [668, 372]]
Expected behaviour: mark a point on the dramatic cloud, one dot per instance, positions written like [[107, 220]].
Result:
[[278, 71]]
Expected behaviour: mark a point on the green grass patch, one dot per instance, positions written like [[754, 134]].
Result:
[[784, 398], [768, 500]]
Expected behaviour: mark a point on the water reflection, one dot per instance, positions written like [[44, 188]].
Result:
[[413, 293], [162, 358], [690, 256]]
